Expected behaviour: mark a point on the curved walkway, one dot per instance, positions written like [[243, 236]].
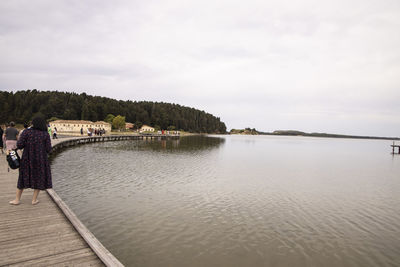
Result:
[[40, 235]]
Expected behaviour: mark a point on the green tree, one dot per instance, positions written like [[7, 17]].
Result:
[[138, 125], [85, 112], [53, 119], [21, 106], [109, 118], [69, 114], [119, 122]]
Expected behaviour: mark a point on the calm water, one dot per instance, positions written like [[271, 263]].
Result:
[[238, 200]]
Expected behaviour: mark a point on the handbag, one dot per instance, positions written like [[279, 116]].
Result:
[[13, 159]]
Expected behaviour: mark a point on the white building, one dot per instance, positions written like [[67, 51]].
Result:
[[72, 126], [146, 128]]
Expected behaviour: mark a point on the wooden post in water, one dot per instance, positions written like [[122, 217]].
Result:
[[394, 148]]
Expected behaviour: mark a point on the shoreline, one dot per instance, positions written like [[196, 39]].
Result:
[[337, 136]]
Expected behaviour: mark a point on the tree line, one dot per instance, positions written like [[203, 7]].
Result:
[[22, 106]]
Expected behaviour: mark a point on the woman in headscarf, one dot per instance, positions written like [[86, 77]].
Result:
[[34, 171]]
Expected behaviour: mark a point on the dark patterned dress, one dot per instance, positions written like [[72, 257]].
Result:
[[34, 171], [1, 137]]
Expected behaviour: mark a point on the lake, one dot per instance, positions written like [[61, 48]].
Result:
[[237, 200]]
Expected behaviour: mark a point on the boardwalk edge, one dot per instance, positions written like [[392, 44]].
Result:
[[105, 256]]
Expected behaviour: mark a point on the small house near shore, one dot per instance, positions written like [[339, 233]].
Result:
[[146, 128], [129, 126], [75, 126]]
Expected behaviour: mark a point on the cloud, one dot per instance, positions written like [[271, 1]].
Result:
[[298, 64]]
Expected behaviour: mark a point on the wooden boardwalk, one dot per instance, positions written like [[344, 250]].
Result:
[[41, 235], [49, 234]]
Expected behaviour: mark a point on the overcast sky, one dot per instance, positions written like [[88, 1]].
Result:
[[317, 66]]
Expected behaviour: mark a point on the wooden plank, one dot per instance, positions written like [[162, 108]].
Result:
[[79, 257], [13, 232], [33, 247]]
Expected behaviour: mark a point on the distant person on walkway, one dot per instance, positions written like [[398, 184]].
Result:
[[34, 171], [49, 129], [11, 137], [25, 127], [55, 133], [81, 131], [1, 139]]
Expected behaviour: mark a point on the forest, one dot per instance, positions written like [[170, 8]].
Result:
[[22, 106]]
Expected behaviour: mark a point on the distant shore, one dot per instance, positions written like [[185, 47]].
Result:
[[249, 131]]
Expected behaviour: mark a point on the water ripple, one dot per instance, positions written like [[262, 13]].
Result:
[[240, 202]]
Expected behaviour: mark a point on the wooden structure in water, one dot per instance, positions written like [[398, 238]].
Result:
[[394, 146]]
